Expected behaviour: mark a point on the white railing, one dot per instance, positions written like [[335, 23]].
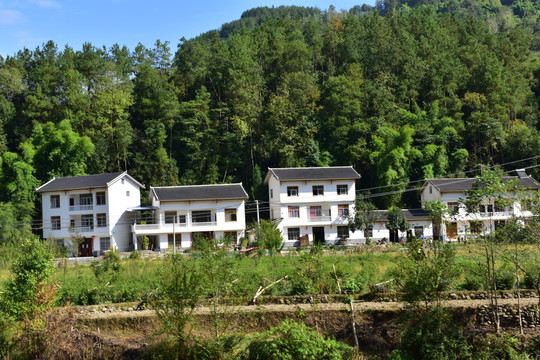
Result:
[[81, 228], [207, 223], [81, 207], [319, 215]]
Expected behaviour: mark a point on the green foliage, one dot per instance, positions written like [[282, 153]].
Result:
[[424, 274], [268, 236], [30, 273], [292, 340], [108, 268], [432, 335]]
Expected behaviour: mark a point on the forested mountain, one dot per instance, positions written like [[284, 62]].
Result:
[[400, 93]]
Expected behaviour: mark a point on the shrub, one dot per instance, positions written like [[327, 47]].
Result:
[[295, 341]]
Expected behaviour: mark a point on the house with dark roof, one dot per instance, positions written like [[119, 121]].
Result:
[[312, 204], [419, 226], [180, 214], [458, 222], [91, 209]]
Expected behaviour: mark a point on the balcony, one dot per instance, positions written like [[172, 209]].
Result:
[[81, 228], [319, 215], [81, 207], [204, 223]]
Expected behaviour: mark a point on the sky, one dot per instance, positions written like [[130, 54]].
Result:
[[30, 23]]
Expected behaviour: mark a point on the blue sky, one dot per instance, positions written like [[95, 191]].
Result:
[[30, 23]]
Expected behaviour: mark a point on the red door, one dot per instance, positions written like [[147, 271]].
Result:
[[85, 247]]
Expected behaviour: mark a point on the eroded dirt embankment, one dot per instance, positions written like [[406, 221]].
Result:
[[127, 327]]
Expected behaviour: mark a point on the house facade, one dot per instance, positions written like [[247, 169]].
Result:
[[419, 220], [458, 223], [312, 205], [91, 209], [178, 214]]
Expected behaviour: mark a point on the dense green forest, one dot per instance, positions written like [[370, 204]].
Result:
[[402, 91]]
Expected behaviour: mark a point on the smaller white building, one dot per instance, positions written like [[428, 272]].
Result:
[[91, 209], [458, 222], [419, 220], [312, 205], [177, 213]]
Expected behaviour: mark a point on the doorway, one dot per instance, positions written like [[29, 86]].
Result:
[[451, 230], [318, 235], [85, 247]]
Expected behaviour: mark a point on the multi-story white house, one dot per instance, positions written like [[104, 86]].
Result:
[[179, 212], [313, 204], [458, 222], [92, 208]]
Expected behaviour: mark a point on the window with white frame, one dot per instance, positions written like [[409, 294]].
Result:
[[342, 189], [104, 243], [294, 212], [170, 217], [418, 231], [293, 234], [318, 190], [343, 210], [100, 198], [55, 223], [55, 201], [101, 220], [292, 190]]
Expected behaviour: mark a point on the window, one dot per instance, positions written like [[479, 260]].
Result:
[[431, 189], [476, 227], [315, 211], [293, 234], [170, 217], [343, 232], [101, 220], [454, 207], [342, 189], [230, 215], [87, 222], [174, 239], [201, 216], [271, 193], [486, 208], [182, 219], [418, 231], [294, 211], [292, 190], [368, 232], [128, 193], [55, 223], [86, 201], [100, 198], [55, 201], [343, 210], [318, 190], [499, 207], [104, 243]]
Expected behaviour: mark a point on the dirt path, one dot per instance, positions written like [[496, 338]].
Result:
[[359, 306]]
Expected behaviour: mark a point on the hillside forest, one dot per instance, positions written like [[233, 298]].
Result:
[[402, 91]]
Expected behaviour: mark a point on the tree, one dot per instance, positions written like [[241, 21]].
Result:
[[490, 190], [268, 236], [437, 212], [364, 216], [396, 221]]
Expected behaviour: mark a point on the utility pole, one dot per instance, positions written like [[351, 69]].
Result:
[[258, 218]]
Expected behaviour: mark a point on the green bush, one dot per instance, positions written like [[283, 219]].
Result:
[[295, 341]]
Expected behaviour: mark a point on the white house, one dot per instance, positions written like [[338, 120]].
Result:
[[459, 223], [313, 204], [178, 212], [419, 221], [92, 208]]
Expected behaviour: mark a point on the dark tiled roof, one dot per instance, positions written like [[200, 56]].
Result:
[[410, 214], [465, 184], [199, 192], [79, 182], [314, 173]]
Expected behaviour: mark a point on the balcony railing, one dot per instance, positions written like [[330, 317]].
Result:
[[206, 223], [319, 215], [81, 207], [81, 228]]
